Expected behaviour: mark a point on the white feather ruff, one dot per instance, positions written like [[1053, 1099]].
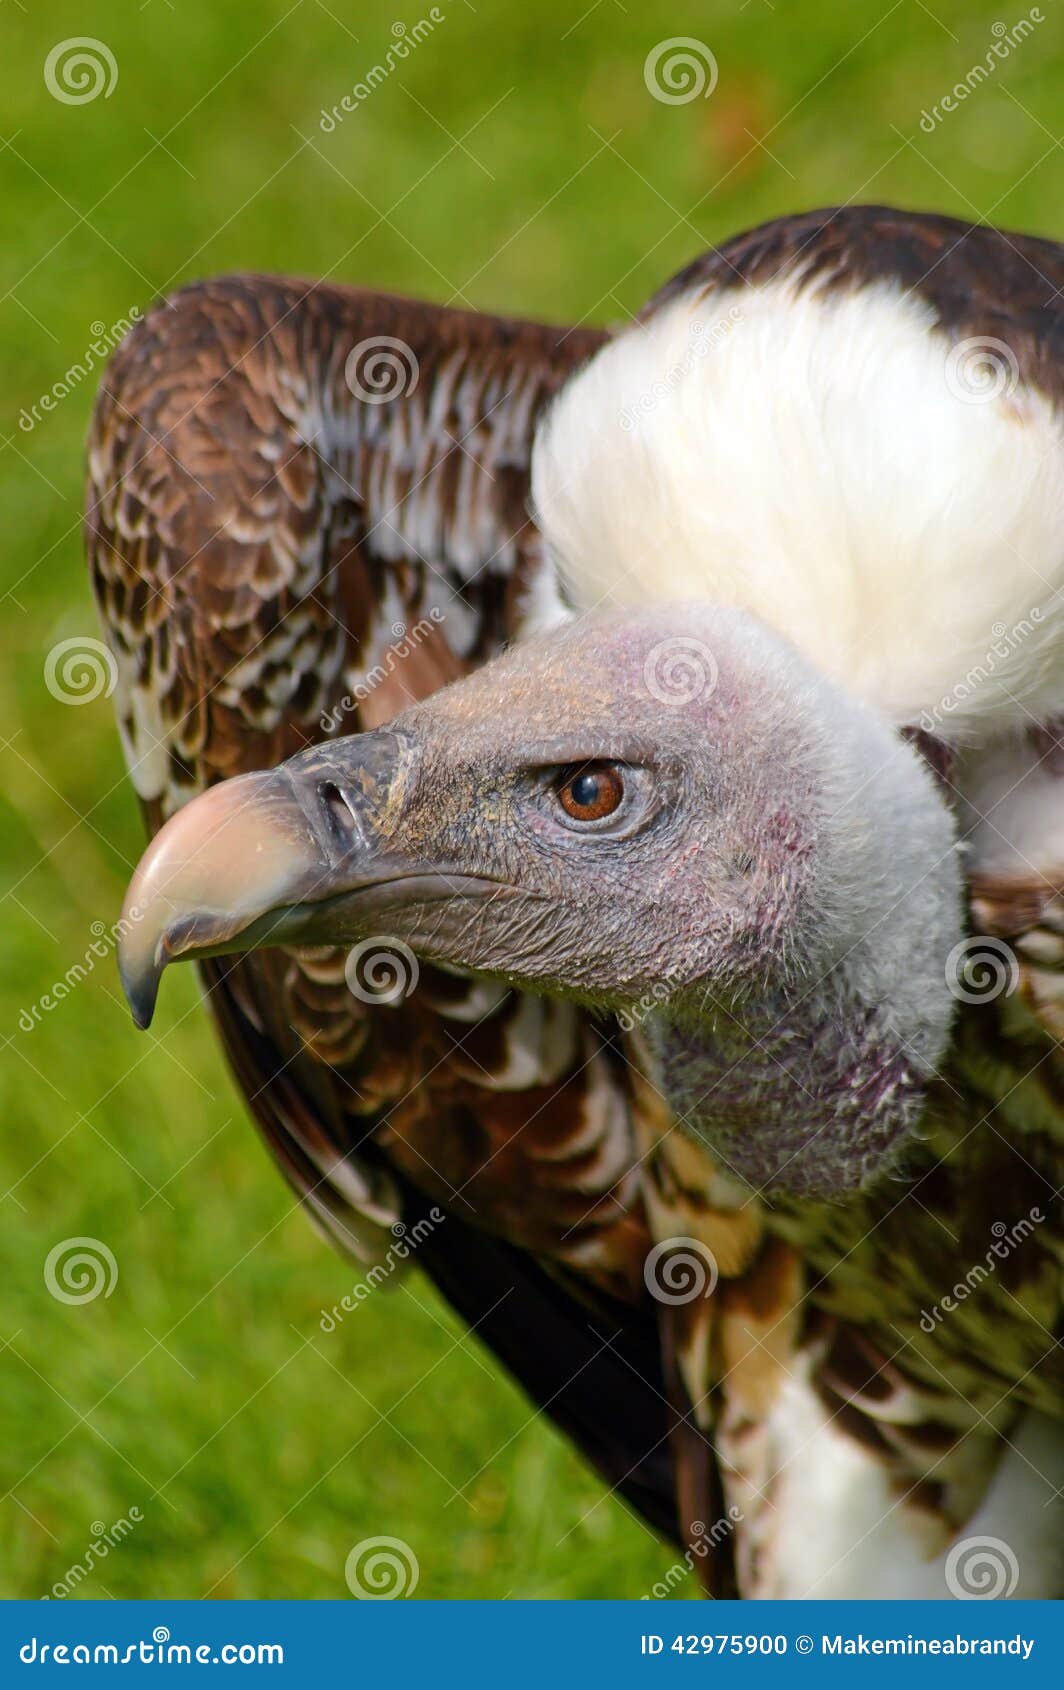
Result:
[[891, 503]]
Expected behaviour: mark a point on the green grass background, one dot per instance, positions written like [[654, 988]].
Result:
[[514, 161]]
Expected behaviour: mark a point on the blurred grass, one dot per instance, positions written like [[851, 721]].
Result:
[[513, 161]]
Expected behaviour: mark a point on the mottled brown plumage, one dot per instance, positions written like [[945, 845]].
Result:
[[264, 534]]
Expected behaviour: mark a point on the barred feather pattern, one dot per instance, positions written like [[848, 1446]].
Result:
[[259, 526]]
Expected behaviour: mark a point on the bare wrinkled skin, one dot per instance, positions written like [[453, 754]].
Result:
[[778, 865]]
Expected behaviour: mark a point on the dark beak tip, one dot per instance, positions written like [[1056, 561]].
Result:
[[141, 992], [142, 1015]]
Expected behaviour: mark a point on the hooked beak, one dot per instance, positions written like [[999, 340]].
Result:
[[264, 859]]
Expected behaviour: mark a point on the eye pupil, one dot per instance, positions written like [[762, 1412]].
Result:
[[586, 790], [588, 795]]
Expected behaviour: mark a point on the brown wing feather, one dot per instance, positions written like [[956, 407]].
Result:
[[269, 538], [280, 553]]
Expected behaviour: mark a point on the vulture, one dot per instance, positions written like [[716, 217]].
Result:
[[612, 784]]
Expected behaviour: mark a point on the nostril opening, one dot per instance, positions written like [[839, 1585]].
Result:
[[338, 808]]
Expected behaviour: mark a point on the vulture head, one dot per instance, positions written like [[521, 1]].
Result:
[[664, 813]]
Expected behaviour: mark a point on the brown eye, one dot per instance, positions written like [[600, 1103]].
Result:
[[592, 793]]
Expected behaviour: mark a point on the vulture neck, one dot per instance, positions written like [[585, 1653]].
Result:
[[810, 1090], [810, 1077]]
